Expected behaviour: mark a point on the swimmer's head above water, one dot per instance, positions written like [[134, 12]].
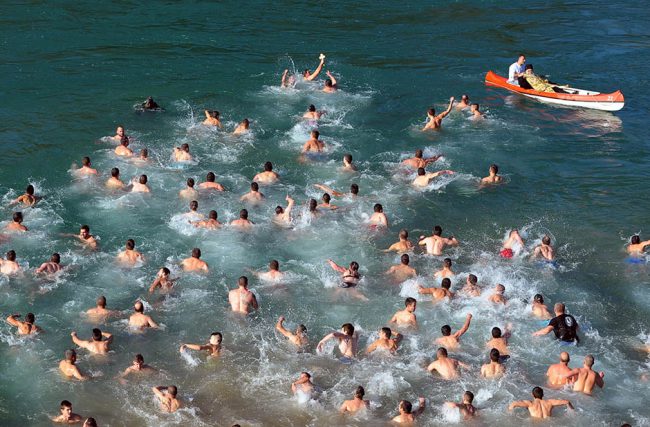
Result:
[[410, 304], [446, 283], [243, 214], [196, 253], [194, 205], [347, 329]]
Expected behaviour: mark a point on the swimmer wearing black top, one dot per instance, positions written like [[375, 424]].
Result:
[[350, 276], [563, 325]]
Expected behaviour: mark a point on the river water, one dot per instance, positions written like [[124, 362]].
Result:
[[73, 72]]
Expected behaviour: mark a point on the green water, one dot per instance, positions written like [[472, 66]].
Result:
[[74, 71]]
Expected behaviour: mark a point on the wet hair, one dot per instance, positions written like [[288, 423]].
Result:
[[130, 244], [194, 205], [55, 257], [565, 357], [442, 352], [538, 298], [378, 208], [212, 214], [84, 228], [418, 153], [359, 392], [185, 147], [101, 301], [302, 328], [386, 332], [66, 404], [138, 358], [546, 240], [11, 255], [85, 161], [312, 108], [326, 198], [437, 230], [469, 396], [636, 240], [218, 335], [354, 189], [589, 360], [124, 140], [496, 332], [69, 354], [210, 177], [243, 214], [406, 406], [446, 330], [30, 190], [144, 153], [431, 111], [421, 171], [446, 283], [143, 179], [354, 266], [464, 96], [90, 422], [279, 210], [474, 105], [409, 301], [268, 166], [446, 262], [405, 259], [538, 393], [347, 157], [315, 133], [18, 217], [196, 253], [115, 172], [307, 374], [312, 205], [500, 288], [255, 186], [30, 318], [190, 182], [494, 168], [274, 265], [214, 114], [495, 355], [138, 307], [404, 233], [328, 82], [472, 279], [559, 307], [166, 271], [348, 329], [246, 123], [172, 390], [243, 281], [97, 334]]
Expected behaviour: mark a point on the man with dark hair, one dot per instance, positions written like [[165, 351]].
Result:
[[242, 222], [9, 266], [194, 262], [254, 196], [434, 122], [313, 144], [97, 344], [268, 176], [403, 270], [452, 341], [419, 161], [297, 338], [538, 407], [357, 403], [467, 410], [26, 327], [564, 326], [424, 178], [241, 299], [436, 243], [348, 341], [189, 192], [388, 340], [210, 184], [403, 244], [137, 367], [68, 366], [445, 365], [493, 177], [406, 413], [52, 266], [494, 368], [66, 416], [167, 398], [17, 223], [129, 256], [406, 317], [438, 293]]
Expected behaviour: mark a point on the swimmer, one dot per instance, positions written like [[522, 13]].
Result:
[[423, 179], [297, 338], [313, 145], [189, 192], [213, 346], [303, 384], [182, 153], [268, 176], [445, 271], [436, 243], [348, 166], [403, 244], [312, 114], [162, 281], [463, 103], [210, 184], [254, 196], [356, 404], [467, 410], [273, 273], [636, 246], [471, 287], [538, 407], [84, 237], [9, 266], [28, 198], [119, 133], [349, 276], [100, 312], [96, 345], [493, 177], [378, 217], [90, 422], [438, 293], [445, 365], [137, 367], [499, 340], [402, 271], [194, 263], [212, 118], [69, 368], [476, 114], [211, 223], [283, 215], [312, 206], [26, 327], [563, 325], [544, 250], [114, 182], [144, 156], [193, 212], [242, 222], [354, 190], [493, 369], [434, 122], [406, 413], [388, 340], [418, 161], [287, 80], [539, 309], [326, 203], [331, 84], [241, 299], [407, 316], [513, 240], [348, 340], [452, 341], [129, 257], [584, 379], [242, 128], [308, 75], [139, 320], [85, 168], [66, 416], [123, 149], [52, 266], [16, 224], [167, 398], [559, 374], [150, 104], [140, 186], [497, 297]]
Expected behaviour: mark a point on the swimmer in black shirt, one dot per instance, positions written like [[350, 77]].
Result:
[[563, 325]]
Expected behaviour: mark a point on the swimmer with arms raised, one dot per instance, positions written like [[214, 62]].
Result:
[[388, 340], [268, 176], [445, 365], [69, 368], [636, 246], [406, 317], [283, 215], [308, 75], [139, 320], [194, 263], [66, 416], [331, 84], [129, 257], [493, 177], [452, 341], [210, 184], [96, 345], [471, 287], [436, 243], [538, 407], [403, 244], [167, 398], [26, 327], [407, 415], [213, 347], [297, 338], [438, 293], [350, 276], [434, 122], [402, 271], [182, 153], [348, 341], [241, 299], [467, 410], [212, 118], [356, 404], [418, 161], [303, 384], [423, 179]]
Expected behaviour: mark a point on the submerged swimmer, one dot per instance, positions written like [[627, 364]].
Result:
[[213, 346], [268, 176], [538, 407], [52, 266], [403, 244], [9, 266], [26, 327], [189, 192], [436, 243], [446, 366], [355, 404], [467, 410], [494, 368], [388, 340], [418, 161], [194, 262], [162, 281], [402, 271], [423, 179], [97, 344], [349, 276], [331, 84], [212, 118], [434, 121], [193, 213], [493, 177], [150, 104], [241, 299], [210, 184], [406, 317], [297, 338], [452, 341], [28, 199], [348, 341], [68, 366], [273, 272], [438, 293], [129, 257], [406, 413], [139, 320], [513, 240], [313, 144]]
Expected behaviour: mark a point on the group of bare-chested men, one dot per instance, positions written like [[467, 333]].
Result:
[[243, 301]]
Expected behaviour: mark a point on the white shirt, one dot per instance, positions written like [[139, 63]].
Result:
[[514, 68]]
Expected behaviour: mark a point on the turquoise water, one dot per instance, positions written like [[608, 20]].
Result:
[[72, 73]]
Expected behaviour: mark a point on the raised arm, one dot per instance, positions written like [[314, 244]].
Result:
[[448, 110], [315, 74], [290, 203], [465, 327], [280, 328], [432, 159], [519, 404], [158, 392], [154, 285], [331, 78], [335, 266], [284, 79], [13, 320], [77, 341], [326, 338], [329, 190], [108, 336], [195, 347]]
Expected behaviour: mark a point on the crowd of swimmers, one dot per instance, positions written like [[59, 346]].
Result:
[[564, 326]]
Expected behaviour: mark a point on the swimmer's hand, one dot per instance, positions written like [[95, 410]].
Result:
[[182, 348], [452, 99], [321, 57], [281, 319]]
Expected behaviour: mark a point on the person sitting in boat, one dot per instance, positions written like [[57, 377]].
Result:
[[538, 83], [516, 70]]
